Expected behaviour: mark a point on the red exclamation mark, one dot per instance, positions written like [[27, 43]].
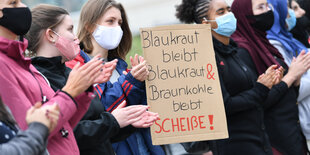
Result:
[[211, 122]]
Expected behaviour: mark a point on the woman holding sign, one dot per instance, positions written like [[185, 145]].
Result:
[[103, 29], [243, 92]]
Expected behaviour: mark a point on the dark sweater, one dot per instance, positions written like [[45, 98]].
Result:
[[243, 99]]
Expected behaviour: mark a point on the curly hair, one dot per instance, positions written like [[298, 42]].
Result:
[[190, 11]]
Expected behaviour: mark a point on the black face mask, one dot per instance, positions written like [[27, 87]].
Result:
[[303, 22], [264, 21], [18, 20]]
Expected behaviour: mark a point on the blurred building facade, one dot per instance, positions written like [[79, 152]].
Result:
[[141, 13]]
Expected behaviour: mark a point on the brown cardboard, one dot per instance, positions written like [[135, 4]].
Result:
[[183, 85]]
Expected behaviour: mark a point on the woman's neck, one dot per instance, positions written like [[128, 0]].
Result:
[[222, 39], [4, 32], [48, 51], [97, 49]]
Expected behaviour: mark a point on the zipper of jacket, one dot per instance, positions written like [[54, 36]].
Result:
[[44, 99], [243, 68], [64, 133]]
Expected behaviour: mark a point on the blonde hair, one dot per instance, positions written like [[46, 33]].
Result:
[[91, 12]]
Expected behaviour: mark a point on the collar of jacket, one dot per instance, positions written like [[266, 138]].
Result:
[[121, 66], [53, 64], [222, 49], [15, 49]]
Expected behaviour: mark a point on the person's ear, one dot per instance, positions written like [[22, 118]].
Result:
[[90, 28], [204, 21], [50, 35]]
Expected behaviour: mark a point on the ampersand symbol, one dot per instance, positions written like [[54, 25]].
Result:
[[210, 75]]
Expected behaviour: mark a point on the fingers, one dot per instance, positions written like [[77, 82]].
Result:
[[108, 69], [96, 58], [56, 106], [141, 59], [76, 67], [136, 112], [122, 105], [111, 64], [52, 115], [94, 67], [105, 73], [31, 110], [141, 72], [131, 61], [271, 68], [134, 61], [37, 105], [138, 67]]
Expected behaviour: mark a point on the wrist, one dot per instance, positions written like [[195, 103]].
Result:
[[69, 91], [289, 80], [297, 83]]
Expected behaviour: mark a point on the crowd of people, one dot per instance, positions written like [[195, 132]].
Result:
[[76, 94]]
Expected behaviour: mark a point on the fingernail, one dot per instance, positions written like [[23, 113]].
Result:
[[101, 70]]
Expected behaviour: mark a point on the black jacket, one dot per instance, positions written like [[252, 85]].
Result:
[[281, 117], [243, 98], [98, 128]]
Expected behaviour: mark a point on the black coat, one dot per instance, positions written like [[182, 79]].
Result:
[[243, 98], [98, 128], [281, 117]]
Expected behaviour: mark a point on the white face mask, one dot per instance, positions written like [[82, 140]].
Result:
[[108, 37]]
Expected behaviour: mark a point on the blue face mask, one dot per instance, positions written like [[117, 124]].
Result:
[[226, 24], [291, 22]]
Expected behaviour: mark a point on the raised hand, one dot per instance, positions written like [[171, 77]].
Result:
[[106, 72], [134, 61], [279, 74], [137, 115], [269, 77], [139, 68], [147, 120], [82, 77], [298, 67]]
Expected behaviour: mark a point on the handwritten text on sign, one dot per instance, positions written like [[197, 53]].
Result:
[[183, 86]]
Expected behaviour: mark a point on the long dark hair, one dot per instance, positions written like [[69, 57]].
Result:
[[5, 116]]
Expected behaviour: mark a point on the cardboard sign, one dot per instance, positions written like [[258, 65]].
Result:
[[183, 84]]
